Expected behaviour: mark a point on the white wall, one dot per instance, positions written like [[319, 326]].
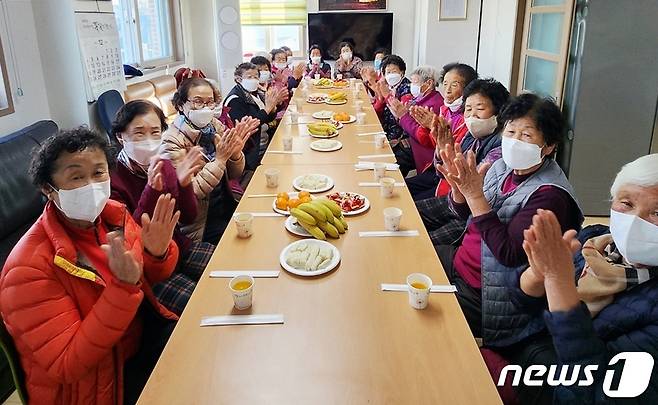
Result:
[[19, 35], [64, 76], [451, 41], [497, 40]]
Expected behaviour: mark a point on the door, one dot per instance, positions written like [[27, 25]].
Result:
[[544, 47]]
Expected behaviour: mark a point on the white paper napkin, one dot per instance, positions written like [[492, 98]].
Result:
[[373, 184], [436, 288], [376, 234], [252, 273], [241, 320]]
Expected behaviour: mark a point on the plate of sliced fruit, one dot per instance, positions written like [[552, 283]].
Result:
[[350, 203], [316, 98], [309, 257], [322, 115]]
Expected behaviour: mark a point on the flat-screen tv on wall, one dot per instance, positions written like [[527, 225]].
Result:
[[368, 31]]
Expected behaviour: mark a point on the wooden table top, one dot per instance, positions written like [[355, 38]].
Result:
[[344, 341]]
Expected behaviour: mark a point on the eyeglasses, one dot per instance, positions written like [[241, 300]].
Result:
[[199, 104], [453, 85]]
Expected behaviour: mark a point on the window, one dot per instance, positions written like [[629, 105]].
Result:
[[269, 24], [264, 38], [145, 31]]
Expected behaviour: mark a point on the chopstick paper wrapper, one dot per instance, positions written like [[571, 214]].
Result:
[[262, 214], [285, 152], [241, 320], [372, 133], [437, 288], [383, 155], [373, 184], [252, 273], [261, 195], [371, 166], [375, 234]]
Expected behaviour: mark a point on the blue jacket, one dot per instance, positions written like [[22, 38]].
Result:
[[628, 324]]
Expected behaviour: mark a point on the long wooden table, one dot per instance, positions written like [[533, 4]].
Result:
[[344, 341]]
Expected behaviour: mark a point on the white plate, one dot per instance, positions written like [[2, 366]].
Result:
[[335, 134], [332, 264], [294, 228], [292, 194], [329, 185], [338, 145], [341, 102], [361, 210], [319, 98], [351, 120], [322, 115]]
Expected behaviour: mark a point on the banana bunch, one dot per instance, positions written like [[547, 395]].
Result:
[[321, 218], [324, 82], [338, 96], [322, 129]]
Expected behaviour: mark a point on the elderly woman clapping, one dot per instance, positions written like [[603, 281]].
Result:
[[611, 307]]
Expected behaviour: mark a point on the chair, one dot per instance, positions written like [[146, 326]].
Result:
[[108, 104], [8, 348]]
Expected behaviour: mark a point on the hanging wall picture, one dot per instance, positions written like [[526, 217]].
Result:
[[352, 5], [6, 103]]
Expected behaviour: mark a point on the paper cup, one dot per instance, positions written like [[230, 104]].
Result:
[[380, 140], [242, 297], [339, 76], [360, 118], [392, 218], [243, 224], [272, 177], [419, 290], [387, 187], [294, 117], [317, 76], [287, 143], [380, 171]]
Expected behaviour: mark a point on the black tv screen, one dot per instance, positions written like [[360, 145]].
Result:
[[368, 31]]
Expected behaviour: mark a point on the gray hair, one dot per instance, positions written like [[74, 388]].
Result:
[[426, 73], [641, 172]]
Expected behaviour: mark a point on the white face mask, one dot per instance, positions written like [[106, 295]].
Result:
[[347, 56], [250, 85], [455, 105], [520, 155], [84, 203], [201, 118], [479, 127], [142, 151], [415, 90], [393, 78], [280, 65], [636, 239], [316, 59], [264, 76]]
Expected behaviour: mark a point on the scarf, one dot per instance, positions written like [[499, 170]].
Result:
[[607, 273], [134, 168], [206, 135]]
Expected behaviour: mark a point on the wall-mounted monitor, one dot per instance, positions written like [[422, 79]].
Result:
[[369, 31]]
